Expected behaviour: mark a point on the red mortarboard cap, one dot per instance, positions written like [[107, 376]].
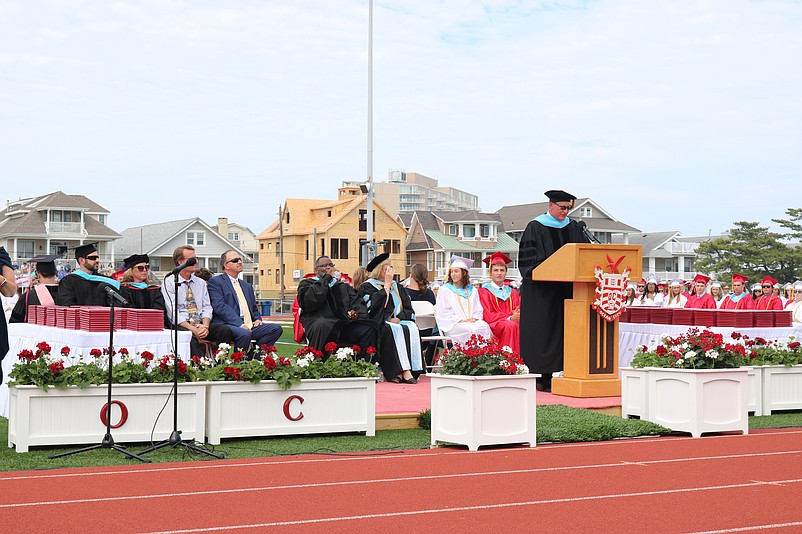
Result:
[[497, 257], [768, 280], [739, 278], [701, 278]]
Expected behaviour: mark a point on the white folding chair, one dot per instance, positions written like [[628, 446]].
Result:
[[425, 320]]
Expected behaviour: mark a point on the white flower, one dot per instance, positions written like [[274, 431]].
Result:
[[690, 354], [344, 353], [664, 337], [523, 369], [712, 354], [680, 361], [504, 364], [303, 362], [505, 348]]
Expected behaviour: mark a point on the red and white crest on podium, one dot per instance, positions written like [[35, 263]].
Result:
[[610, 289]]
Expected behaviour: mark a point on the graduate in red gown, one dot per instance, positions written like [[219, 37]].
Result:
[[768, 301], [501, 304], [700, 299], [740, 298]]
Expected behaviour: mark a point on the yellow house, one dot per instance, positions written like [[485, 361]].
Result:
[[335, 228]]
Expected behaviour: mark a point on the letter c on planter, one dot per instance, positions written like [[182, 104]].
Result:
[[287, 407], [123, 414]]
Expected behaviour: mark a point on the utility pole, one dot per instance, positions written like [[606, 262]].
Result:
[[281, 253], [369, 249]]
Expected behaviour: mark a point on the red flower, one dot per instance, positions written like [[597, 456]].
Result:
[[661, 350], [27, 355], [316, 353], [124, 351], [65, 351], [269, 362], [331, 347], [196, 360], [163, 365], [147, 355], [95, 353], [356, 350], [794, 345], [182, 367], [268, 348], [238, 356], [284, 361], [43, 348], [370, 350], [233, 372], [56, 367]]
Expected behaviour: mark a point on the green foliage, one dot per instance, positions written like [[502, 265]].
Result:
[[752, 250], [425, 419], [774, 352]]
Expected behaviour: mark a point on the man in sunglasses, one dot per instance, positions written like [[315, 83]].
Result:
[[234, 304], [83, 287], [768, 300], [542, 310], [330, 311]]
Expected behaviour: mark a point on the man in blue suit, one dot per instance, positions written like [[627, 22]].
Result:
[[234, 304]]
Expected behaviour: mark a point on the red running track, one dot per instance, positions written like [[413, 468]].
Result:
[[724, 483]]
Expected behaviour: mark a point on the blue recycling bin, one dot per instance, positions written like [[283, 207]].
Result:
[[266, 304]]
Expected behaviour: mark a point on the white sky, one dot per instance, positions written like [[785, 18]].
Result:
[[672, 115]]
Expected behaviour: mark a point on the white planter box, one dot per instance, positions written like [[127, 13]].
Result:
[[72, 416], [633, 392], [484, 410], [782, 388], [698, 400], [754, 384], [242, 409]]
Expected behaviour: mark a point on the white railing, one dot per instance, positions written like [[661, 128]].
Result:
[[64, 227], [681, 248]]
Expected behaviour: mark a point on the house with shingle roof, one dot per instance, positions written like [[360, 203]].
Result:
[[55, 223], [310, 228], [159, 240], [601, 223], [435, 236], [667, 255]]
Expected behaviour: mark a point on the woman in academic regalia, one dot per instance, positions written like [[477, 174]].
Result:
[[459, 309], [137, 286], [675, 298], [8, 287], [43, 293], [390, 310]]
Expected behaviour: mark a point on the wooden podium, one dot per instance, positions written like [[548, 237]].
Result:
[[591, 343]]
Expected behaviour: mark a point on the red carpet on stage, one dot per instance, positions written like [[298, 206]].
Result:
[[394, 398]]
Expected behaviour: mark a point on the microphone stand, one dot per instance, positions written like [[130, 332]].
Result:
[[190, 445], [108, 440]]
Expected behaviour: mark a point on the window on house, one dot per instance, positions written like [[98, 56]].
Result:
[[307, 249], [339, 249], [322, 247], [261, 272], [586, 211], [328, 213], [363, 220], [409, 259], [278, 248], [396, 246], [196, 239], [26, 249], [287, 218], [469, 230], [233, 236], [452, 229], [484, 230], [278, 277], [262, 246], [213, 264], [101, 219], [430, 260]]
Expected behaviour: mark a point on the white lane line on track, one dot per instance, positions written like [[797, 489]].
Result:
[[751, 528], [400, 479], [383, 455], [469, 508]]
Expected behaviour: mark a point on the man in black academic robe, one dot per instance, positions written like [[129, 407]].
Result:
[[542, 309], [330, 311], [84, 286]]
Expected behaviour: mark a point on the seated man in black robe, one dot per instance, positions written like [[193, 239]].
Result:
[[44, 293], [84, 287], [330, 311]]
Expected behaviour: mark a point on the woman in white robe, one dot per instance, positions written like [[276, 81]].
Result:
[[675, 298], [458, 310]]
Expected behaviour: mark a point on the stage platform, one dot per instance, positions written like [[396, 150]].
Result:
[[398, 405]]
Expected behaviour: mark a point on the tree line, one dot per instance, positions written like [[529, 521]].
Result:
[[754, 251]]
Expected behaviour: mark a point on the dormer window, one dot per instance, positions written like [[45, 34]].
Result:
[[484, 230], [469, 231], [452, 229], [586, 211]]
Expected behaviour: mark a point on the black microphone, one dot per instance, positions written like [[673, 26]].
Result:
[[113, 294], [189, 263], [584, 227]]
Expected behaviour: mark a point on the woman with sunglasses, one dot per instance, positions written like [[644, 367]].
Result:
[[137, 286]]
